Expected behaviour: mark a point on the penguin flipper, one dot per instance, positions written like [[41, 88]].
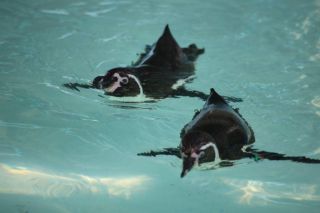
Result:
[[260, 155], [165, 151], [192, 52], [182, 91], [76, 86]]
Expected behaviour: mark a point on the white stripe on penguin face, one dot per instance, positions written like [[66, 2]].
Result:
[[117, 84]]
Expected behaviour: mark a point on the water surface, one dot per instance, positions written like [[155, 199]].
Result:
[[69, 151]]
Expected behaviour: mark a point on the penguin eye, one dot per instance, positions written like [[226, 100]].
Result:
[[114, 78], [125, 80]]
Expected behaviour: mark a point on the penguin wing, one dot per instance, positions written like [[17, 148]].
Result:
[[165, 151]]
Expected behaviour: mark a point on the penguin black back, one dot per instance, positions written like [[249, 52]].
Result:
[[219, 134], [155, 73]]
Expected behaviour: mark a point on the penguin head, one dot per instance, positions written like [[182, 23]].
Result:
[[118, 82], [197, 147]]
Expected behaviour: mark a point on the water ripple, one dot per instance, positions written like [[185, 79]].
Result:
[[66, 35], [24, 181], [79, 4], [19, 125], [105, 40], [98, 12], [71, 115], [6, 150], [56, 12], [101, 63]]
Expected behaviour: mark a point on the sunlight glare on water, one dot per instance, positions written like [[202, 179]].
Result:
[[67, 151]]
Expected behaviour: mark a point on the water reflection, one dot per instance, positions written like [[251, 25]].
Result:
[[316, 101], [23, 181], [259, 192], [307, 28]]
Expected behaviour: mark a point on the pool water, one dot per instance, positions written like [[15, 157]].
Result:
[[68, 151]]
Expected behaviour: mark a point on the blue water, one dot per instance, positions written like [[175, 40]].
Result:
[[69, 151]]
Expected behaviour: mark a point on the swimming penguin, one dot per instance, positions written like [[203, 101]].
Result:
[[218, 133], [158, 73]]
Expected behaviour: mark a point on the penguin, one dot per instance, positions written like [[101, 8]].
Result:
[[220, 135], [159, 72]]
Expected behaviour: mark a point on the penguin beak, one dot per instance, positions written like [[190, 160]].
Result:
[[188, 163]]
